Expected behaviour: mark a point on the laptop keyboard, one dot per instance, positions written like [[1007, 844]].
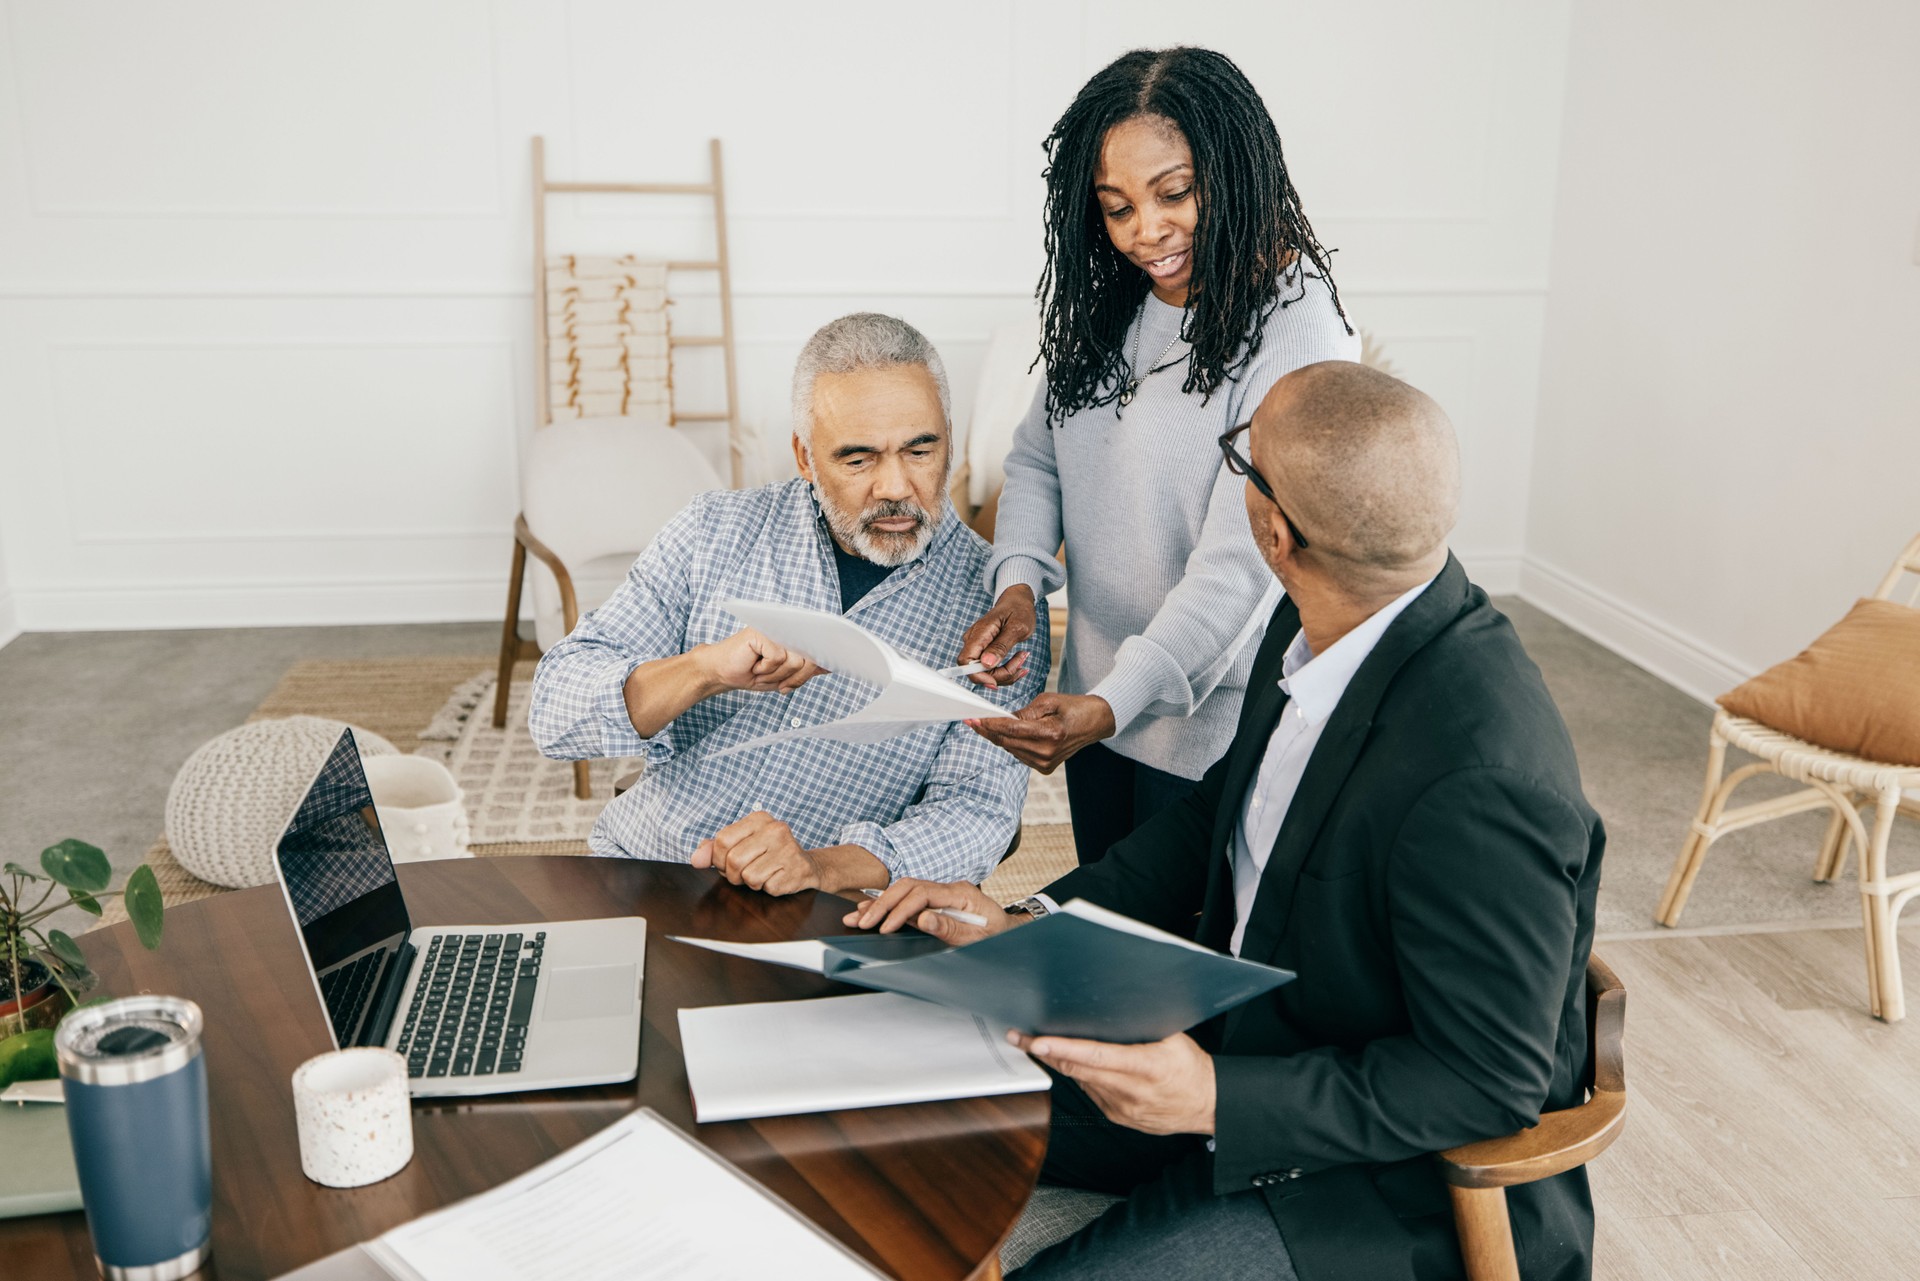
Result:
[[472, 1004], [348, 990]]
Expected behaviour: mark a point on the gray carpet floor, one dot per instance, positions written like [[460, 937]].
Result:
[[1643, 759], [93, 726]]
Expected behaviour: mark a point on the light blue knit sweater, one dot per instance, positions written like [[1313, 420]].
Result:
[[1168, 596]]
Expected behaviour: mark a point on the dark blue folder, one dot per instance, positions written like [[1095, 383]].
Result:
[[1063, 975]]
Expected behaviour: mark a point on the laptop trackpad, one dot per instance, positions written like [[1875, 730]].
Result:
[[589, 992]]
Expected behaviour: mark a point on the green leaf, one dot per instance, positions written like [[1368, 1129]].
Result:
[[28, 1057], [144, 905], [77, 976], [66, 949], [84, 901], [17, 870], [77, 865]]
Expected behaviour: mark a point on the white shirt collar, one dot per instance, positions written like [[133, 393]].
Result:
[[1315, 682]]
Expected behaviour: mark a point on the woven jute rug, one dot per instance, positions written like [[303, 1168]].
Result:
[[519, 802], [515, 796]]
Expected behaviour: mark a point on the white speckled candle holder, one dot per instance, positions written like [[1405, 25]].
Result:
[[355, 1125]]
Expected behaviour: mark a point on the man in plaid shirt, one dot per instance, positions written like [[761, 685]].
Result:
[[662, 671]]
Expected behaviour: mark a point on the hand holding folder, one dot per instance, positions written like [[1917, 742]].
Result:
[[1082, 972]]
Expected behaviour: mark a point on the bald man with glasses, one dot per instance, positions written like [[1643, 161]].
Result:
[[1400, 820]]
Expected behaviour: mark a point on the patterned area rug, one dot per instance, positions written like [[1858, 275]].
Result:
[[514, 794], [518, 801]]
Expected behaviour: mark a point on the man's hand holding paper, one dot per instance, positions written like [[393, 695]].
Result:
[[1161, 1087], [748, 660], [912, 695]]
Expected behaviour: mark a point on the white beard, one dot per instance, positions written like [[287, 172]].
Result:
[[890, 550]]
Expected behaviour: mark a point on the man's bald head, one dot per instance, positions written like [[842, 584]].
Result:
[[1367, 467]]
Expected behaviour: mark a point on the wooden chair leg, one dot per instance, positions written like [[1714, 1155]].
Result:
[[1833, 849], [509, 635], [1486, 1235], [1693, 852], [582, 781], [1883, 953]]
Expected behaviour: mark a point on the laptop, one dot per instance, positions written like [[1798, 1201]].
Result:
[[474, 1009]]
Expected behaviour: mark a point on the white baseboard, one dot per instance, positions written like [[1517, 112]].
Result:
[[1495, 573], [9, 619], [164, 605], [1682, 661]]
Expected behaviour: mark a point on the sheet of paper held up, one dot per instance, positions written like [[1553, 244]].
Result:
[[637, 1199], [911, 693]]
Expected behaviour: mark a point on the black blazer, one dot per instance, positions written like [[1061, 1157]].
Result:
[[1434, 886]]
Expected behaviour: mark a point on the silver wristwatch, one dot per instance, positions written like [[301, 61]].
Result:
[[1033, 905]]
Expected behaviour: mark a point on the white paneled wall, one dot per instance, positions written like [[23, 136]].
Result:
[[264, 305], [1729, 436]]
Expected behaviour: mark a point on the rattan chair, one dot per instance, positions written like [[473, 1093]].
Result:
[[1846, 785]]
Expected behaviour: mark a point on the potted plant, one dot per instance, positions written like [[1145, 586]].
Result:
[[43, 972]]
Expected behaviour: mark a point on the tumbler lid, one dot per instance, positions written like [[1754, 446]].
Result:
[[124, 1042]]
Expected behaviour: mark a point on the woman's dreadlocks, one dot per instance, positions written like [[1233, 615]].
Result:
[[1250, 228]]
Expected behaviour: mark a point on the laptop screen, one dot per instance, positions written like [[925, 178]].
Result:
[[338, 875]]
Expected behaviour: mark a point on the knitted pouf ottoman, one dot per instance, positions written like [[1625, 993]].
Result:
[[233, 798]]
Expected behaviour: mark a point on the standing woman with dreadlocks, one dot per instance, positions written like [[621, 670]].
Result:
[[1182, 281]]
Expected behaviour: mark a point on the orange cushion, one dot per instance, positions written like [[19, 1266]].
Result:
[[1855, 690]]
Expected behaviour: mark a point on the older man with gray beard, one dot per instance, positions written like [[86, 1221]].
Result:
[[663, 672]]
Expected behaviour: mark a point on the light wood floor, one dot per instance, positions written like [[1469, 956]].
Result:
[[1773, 1126]]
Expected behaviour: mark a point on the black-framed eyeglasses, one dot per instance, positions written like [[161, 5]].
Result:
[[1239, 465]]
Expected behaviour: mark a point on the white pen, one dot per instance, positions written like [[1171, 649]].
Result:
[[967, 669], [965, 918]]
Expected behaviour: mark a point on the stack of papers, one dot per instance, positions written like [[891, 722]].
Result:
[[782, 1057], [638, 1199]]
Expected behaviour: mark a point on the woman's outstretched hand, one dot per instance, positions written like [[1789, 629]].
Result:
[[991, 640], [1050, 728]]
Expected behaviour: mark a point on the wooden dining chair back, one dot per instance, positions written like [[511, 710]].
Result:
[[1479, 1174], [1848, 787]]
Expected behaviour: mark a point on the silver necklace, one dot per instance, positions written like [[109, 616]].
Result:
[[1134, 376]]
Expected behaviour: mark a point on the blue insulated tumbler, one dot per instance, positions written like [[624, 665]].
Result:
[[136, 1088]]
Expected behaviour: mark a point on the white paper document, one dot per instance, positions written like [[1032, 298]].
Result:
[[911, 693], [801, 954], [638, 1199], [782, 1057], [1125, 924]]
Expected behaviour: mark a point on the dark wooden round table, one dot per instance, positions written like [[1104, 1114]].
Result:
[[924, 1191]]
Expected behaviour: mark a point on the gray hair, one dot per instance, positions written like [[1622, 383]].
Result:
[[864, 340]]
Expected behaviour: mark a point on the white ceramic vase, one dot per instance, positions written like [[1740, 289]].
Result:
[[350, 1108], [423, 812]]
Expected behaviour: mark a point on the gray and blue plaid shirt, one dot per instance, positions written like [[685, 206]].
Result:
[[940, 803]]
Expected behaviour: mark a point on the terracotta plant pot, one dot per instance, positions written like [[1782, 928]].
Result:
[[43, 1004]]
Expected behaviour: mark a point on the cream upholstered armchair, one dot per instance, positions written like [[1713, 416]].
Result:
[[594, 492], [1848, 786]]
